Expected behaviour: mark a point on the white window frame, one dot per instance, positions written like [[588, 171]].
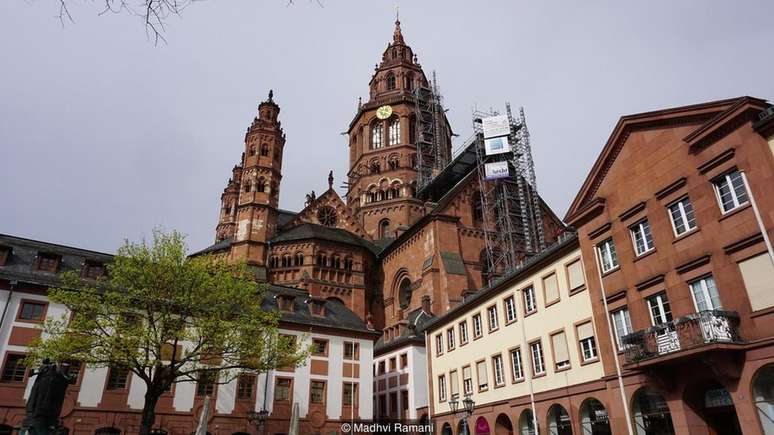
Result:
[[450, 339], [704, 288], [683, 215], [478, 328], [497, 367], [530, 303], [642, 229], [517, 368], [626, 322], [661, 300], [393, 131], [726, 179], [442, 388], [463, 332], [439, 344], [510, 309], [606, 251], [588, 346], [377, 140], [493, 321], [539, 365], [467, 383]]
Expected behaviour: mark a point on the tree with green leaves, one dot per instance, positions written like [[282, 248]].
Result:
[[167, 318]]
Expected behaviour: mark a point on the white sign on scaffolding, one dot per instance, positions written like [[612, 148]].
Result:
[[496, 126], [496, 145], [495, 170]]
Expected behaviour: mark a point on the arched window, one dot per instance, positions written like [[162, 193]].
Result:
[[559, 421], [413, 160], [261, 186], [394, 131], [503, 425], [446, 430], [377, 135], [404, 293], [264, 150], [380, 195], [348, 264], [594, 419], [248, 186], [299, 259], [374, 167], [384, 228], [391, 78], [412, 131], [478, 209], [763, 395], [336, 262], [393, 163], [651, 413], [252, 150], [527, 423], [410, 82]]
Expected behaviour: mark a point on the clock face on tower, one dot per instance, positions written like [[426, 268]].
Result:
[[384, 112]]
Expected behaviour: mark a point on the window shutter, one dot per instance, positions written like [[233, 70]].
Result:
[[560, 347], [481, 369], [466, 373], [585, 331], [758, 277], [551, 288], [575, 274], [454, 382]]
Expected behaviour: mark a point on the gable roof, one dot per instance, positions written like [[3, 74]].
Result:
[[710, 116], [306, 231], [330, 198]]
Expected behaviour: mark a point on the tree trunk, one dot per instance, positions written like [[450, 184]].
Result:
[[148, 412]]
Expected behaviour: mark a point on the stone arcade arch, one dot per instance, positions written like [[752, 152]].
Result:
[[503, 425], [526, 423], [559, 422], [594, 418], [651, 413], [763, 395]]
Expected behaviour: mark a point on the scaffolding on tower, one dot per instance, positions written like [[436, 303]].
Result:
[[430, 131], [511, 206]]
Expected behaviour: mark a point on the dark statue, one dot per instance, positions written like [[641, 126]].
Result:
[[46, 398]]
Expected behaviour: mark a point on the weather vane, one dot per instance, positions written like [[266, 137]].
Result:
[[397, 13]]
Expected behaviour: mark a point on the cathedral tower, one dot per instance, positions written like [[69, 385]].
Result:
[[382, 144], [250, 200]]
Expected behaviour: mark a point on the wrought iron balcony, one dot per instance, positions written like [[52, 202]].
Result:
[[688, 332]]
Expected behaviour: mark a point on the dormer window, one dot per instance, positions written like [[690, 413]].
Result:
[[317, 306], [5, 254], [93, 269], [285, 302], [48, 262]]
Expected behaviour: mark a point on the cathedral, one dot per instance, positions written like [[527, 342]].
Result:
[[387, 248]]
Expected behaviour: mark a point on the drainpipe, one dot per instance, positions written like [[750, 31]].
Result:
[[758, 217], [8, 303], [613, 346], [528, 373]]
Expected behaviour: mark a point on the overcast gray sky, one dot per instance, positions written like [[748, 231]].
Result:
[[104, 136]]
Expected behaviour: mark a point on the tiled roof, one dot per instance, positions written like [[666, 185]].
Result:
[[413, 334], [307, 231], [219, 246]]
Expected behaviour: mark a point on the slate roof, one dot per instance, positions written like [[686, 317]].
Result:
[[413, 334], [284, 216], [307, 231], [219, 246], [21, 261]]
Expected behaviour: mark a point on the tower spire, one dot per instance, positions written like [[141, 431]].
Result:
[[397, 36]]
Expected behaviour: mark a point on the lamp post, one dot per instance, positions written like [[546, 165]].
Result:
[[467, 409], [258, 419]]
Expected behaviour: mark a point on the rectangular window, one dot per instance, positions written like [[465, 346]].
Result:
[[467, 380], [117, 378], [48, 262], [538, 361], [530, 304], [561, 352], [681, 214], [731, 191], [32, 311], [14, 368], [497, 368], [463, 332], [394, 404], [319, 347], [517, 372], [641, 237], [349, 396], [477, 328], [491, 314], [705, 294], [658, 306], [550, 288], [282, 389], [205, 384], [622, 324], [438, 344], [450, 338], [317, 392], [93, 270], [454, 384], [403, 360], [575, 279], [404, 402], [442, 388], [607, 255], [245, 387], [393, 364], [587, 342], [483, 379], [351, 350], [381, 367], [510, 309]]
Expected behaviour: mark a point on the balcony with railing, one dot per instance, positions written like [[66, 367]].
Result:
[[694, 331]]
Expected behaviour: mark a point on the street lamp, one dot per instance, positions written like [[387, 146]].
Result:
[[467, 409], [258, 419]]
